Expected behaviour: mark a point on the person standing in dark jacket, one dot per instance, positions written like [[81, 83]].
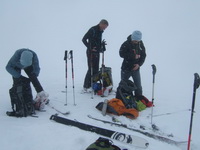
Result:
[[133, 52], [93, 41]]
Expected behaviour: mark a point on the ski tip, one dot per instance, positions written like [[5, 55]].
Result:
[[147, 144], [53, 117], [67, 113]]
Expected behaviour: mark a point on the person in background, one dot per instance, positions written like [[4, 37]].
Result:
[[27, 60], [133, 52], [93, 41]]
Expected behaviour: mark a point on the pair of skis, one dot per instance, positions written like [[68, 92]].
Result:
[[70, 57]]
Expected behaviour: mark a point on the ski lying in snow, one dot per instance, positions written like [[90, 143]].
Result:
[[122, 137], [151, 135], [63, 113], [155, 130]]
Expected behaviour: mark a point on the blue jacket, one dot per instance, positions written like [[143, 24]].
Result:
[[14, 67]]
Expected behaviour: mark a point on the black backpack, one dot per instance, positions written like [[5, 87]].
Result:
[[21, 99], [125, 93]]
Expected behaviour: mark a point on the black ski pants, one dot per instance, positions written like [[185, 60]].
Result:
[[93, 67], [125, 75]]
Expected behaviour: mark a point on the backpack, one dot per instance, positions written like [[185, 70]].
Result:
[[109, 109], [120, 108], [102, 144], [21, 99], [145, 101], [140, 105], [125, 93], [102, 78], [106, 75], [116, 107]]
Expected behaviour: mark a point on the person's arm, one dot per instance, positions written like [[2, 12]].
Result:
[[36, 67], [125, 52], [143, 54], [87, 38]]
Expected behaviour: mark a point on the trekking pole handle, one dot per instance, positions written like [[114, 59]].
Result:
[[154, 72], [71, 54], [65, 57], [103, 45], [196, 81]]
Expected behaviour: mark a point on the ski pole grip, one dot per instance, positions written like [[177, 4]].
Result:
[[154, 72], [65, 57], [103, 45], [196, 80], [154, 69], [71, 53]]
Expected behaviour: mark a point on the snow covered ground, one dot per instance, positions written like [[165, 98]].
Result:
[[171, 35]]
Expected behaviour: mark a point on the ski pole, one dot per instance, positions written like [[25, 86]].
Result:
[[103, 44], [102, 73], [65, 58], [196, 85], [91, 69], [170, 113], [153, 72], [72, 66]]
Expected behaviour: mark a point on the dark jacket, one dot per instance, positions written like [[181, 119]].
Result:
[[128, 51], [14, 67], [93, 38]]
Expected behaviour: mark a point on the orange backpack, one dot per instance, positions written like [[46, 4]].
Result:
[[119, 107]]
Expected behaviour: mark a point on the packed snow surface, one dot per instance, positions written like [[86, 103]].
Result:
[[171, 36]]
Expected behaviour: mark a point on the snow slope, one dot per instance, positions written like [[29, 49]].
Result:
[[171, 35]]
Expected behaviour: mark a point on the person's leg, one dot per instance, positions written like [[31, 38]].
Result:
[[87, 81], [93, 68], [95, 62], [125, 75], [137, 80]]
